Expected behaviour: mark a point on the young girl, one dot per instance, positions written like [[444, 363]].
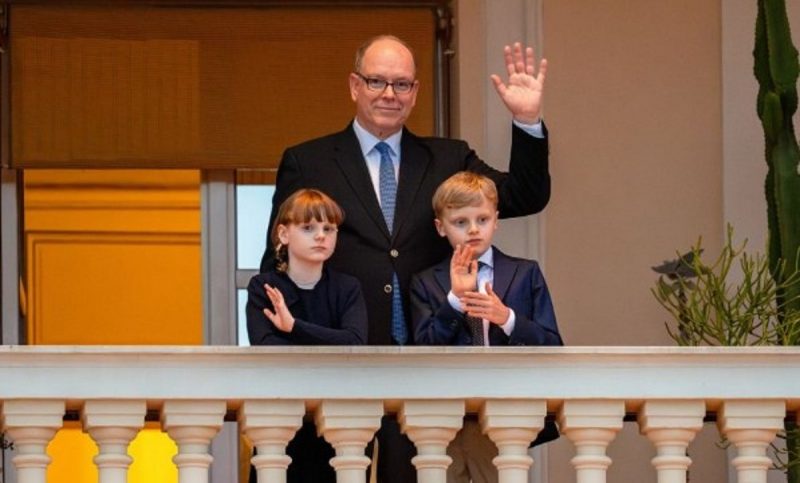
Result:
[[301, 302]]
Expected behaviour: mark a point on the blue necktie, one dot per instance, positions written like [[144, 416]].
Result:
[[388, 191]]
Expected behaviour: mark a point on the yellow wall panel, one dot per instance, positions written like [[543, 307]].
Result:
[[113, 257], [101, 288], [152, 453], [71, 451]]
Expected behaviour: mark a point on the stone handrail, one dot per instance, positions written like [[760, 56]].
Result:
[[588, 390]]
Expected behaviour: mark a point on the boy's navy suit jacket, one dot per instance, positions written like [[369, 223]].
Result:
[[517, 282]]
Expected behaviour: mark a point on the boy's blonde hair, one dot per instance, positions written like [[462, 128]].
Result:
[[303, 206], [463, 189]]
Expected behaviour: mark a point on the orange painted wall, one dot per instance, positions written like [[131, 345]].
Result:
[[113, 257]]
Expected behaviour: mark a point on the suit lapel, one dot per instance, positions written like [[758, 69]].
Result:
[[504, 272], [351, 161], [414, 161], [441, 273]]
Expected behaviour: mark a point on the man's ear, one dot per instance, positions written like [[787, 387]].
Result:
[[355, 82], [439, 226]]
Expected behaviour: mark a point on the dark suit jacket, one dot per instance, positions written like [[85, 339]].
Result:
[[519, 284], [366, 249], [333, 312]]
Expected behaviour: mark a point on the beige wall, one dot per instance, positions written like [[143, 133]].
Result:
[[633, 103]]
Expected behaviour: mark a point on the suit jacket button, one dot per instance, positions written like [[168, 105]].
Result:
[[387, 288], [394, 253]]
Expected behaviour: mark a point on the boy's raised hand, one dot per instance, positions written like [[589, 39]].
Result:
[[463, 270], [485, 306], [281, 317]]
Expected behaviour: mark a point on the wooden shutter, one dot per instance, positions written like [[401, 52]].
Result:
[[194, 87]]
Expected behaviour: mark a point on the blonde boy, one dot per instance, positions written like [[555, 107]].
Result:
[[479, 296]]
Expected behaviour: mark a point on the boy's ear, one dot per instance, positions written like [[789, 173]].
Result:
[[439, 227], [283, 234]]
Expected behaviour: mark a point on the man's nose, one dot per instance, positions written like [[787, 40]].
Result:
[[389, 91]]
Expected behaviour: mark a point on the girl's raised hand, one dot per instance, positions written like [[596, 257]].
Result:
[[281, 317]]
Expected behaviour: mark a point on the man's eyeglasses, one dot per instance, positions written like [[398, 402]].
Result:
[[401, 86]]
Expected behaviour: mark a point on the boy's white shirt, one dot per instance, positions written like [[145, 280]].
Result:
[[485, 275]]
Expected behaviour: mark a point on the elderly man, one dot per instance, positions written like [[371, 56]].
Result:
[[384, 176]]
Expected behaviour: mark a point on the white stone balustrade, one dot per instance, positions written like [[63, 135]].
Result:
[[113, 424], [751, 426], [192, 424], [269, 389], [348, 425], [431, 425], [591, 425], [31, 424], [512, 425], [671, 426], [269, 426]]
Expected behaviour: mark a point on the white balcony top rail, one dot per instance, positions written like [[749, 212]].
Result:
[[268, 389], [233, 374]]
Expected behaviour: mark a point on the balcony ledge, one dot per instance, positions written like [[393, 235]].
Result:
[[392, 374]]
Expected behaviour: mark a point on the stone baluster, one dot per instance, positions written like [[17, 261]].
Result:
[[113, 424], [513, 425], [192, 425], [431, 425], [269, 426], [30, 424], [671, 426], [751, 426], [591, 425], [348, 425]]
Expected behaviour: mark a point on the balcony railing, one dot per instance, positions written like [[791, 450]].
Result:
[[589, 391]]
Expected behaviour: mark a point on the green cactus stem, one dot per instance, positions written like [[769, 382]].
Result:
[[776, 68]]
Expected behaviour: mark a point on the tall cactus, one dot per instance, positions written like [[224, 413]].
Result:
[[776, 68]]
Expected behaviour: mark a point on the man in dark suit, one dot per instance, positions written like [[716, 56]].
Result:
[[482, 297], [344, 166], [383, 247]]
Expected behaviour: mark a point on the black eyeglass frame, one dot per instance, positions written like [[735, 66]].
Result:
[[380, 85]]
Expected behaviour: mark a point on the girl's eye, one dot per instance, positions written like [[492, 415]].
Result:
[[329, 229], [306, 228]]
